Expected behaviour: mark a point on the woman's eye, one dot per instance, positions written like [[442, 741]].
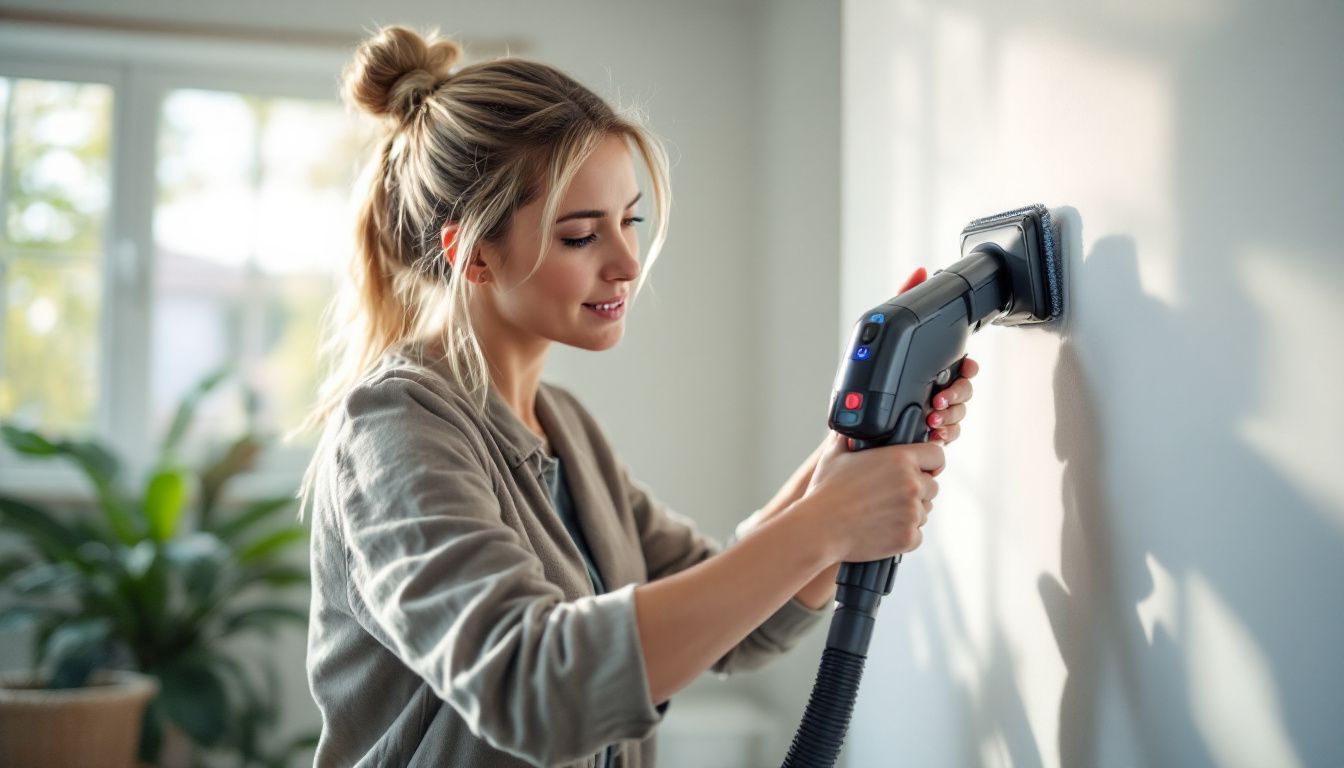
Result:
[[579, 242]]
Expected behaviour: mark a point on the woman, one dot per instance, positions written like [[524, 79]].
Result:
[[490, 585]]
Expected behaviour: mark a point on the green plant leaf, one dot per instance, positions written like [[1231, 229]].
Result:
[[250, 716], [147, 591], [43, 578], [195, 699], [236, 459], [102, 470], [23, 614], [272, 543], [99, 465], [151, 731], [272, 575], [55, 540], [199, 559], [28, 442], [77, 649], [264, 618], [165, 498], [97, 462], [12, 564], [250, 515], [186, 411]]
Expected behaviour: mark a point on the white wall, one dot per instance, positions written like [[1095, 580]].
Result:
[[1136, 555]]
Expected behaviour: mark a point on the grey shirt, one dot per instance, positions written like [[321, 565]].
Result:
[[563, 501], [453, 622]]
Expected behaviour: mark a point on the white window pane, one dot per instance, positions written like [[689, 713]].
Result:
[[251, 223], [55, 183]]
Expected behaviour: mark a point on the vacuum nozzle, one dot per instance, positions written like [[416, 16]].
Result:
[[1025, 239]]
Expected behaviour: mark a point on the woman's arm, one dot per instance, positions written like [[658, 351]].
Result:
[[688, 620], [820, 591]]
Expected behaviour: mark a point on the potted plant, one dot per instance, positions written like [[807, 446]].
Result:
[[152, 582]]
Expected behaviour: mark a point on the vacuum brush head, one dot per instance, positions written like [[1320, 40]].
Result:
[[1025, 240]]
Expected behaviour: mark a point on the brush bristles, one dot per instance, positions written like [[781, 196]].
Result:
[[1053, 276]]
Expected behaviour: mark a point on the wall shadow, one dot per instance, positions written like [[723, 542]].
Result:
[[1149, 399]]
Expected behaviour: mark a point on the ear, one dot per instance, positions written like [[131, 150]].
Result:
[[448, 239], [477, 271]]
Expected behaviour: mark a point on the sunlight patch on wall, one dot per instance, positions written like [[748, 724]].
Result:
[[1068, 140], [1161, 606], [1305, 446], [1233, 698]]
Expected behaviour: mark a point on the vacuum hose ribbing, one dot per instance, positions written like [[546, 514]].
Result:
[[859, 591], [826, 719]]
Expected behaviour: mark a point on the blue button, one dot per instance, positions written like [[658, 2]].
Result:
[[862, 353], [847, 418], [877, 318]]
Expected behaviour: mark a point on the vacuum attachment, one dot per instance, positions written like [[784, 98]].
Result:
[[900, 354], [1025, 239]]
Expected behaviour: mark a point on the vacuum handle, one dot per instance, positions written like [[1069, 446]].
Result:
[[876, 577]]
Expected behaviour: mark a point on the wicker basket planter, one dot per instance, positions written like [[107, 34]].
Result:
[[95, 725]]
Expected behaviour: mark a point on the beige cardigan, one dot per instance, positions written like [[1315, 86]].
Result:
[[452, 620]]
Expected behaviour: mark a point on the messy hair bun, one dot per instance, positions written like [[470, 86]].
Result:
[[393, 72]]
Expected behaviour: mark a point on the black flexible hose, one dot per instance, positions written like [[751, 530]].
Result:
[[818, 740], [859, 590]]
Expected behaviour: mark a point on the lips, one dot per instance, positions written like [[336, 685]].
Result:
[[612, 309], [612, 300]]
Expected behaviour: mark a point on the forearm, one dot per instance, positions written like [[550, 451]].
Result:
[[818, 592], [689, 620]]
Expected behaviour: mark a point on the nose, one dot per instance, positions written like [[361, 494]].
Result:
[[622, 258]]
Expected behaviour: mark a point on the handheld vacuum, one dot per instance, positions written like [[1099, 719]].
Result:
[[900, 354]]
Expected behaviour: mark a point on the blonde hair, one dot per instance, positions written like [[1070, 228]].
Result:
[[471, 147]]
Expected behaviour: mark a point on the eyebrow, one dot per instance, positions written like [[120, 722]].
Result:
[[594, 214]]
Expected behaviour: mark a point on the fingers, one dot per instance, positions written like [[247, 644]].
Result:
[[969, 368], [958, 391], [928, 487], [947, 417], [928, 456], [918, 277], [947, 433]]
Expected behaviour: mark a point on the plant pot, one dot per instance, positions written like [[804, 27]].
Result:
[[98, 724]]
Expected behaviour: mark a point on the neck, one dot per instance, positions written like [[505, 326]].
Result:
[[515, 359]]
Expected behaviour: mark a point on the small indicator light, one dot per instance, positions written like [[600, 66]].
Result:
[[877, 317], [853, 400], [862, 353]]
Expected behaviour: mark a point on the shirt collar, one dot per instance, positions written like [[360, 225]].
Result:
[[517, 442]]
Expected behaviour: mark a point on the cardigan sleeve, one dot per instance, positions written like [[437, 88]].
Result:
[[443, 583], [672, 542]]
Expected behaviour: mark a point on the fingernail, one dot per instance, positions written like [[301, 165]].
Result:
[[936, 419], [940, 401]]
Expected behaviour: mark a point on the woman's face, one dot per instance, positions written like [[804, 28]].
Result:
[[592, 259]]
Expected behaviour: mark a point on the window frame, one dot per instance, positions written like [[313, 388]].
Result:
[[141, 69]]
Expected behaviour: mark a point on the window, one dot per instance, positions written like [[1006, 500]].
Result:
[[54, 184], [250, 230], [158, 220]]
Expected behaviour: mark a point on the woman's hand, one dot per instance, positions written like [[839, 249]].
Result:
[[949, 404], [876, 499]]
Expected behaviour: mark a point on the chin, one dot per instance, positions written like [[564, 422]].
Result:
[[600, 344]]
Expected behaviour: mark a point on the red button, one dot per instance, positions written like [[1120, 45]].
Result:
[[853, 400]]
